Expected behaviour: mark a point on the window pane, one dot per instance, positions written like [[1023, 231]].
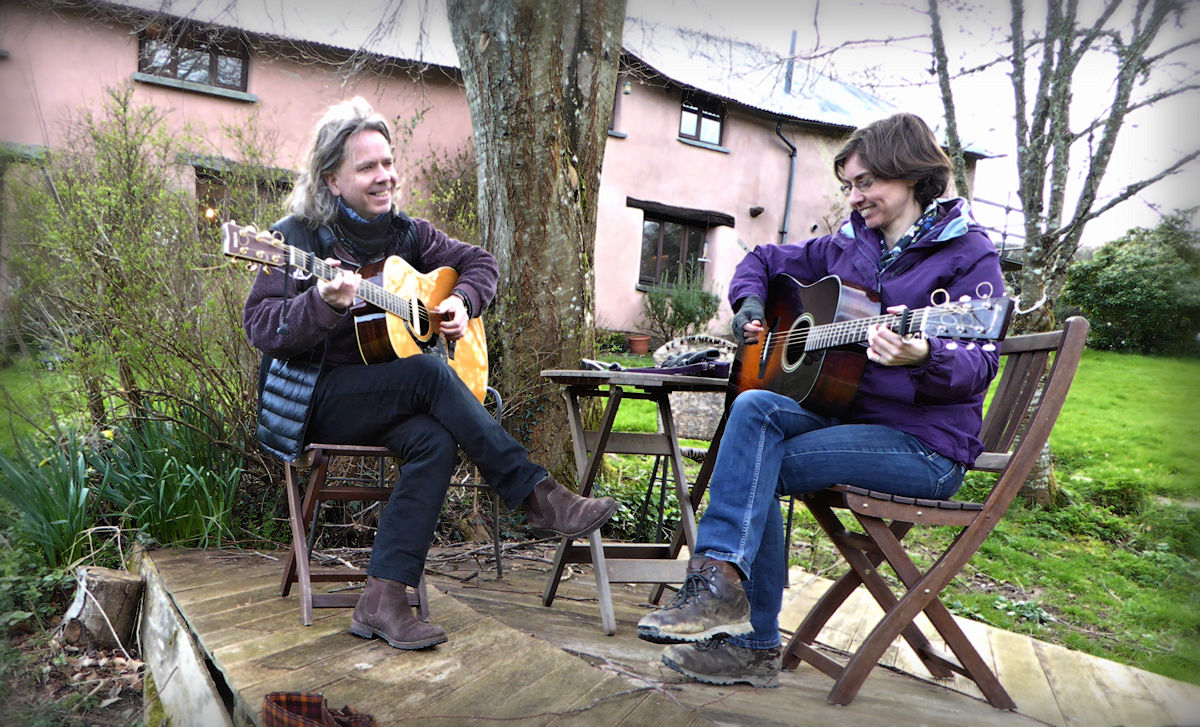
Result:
[[156, 57], [687, 124], [671, 246], [229, 72], [650, 234], [710, 130], [193, 65]]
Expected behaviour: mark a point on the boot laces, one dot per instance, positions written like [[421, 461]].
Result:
[[693, 584]]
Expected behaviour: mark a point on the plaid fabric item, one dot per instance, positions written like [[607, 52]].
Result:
[[305, 709]]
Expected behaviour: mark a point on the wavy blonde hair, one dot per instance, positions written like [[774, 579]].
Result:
[[311, 198]]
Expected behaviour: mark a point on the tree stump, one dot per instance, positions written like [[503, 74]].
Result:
[[105, 608]]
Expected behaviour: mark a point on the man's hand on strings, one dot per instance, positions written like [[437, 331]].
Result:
[[340, 292], [454, 317]]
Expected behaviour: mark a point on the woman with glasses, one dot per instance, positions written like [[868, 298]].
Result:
[[910, 430]]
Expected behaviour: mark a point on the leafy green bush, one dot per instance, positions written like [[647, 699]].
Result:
[[1080, 519], [49, 487], [119, 276], [635, 519], [676, 309], [1122, 493], [610, 342], [167, 478], [1142, 291], [26, 587]]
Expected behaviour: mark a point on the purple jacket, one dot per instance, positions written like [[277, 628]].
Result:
[[941, 401]]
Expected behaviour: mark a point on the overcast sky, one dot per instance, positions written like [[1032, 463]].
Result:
[[1152, 139]]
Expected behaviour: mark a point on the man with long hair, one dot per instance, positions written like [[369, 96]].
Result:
[[315, 386]]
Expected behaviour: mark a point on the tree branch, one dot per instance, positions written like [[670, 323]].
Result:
[[1129, 191]]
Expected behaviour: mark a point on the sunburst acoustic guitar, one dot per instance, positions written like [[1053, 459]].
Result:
[[813, 344]]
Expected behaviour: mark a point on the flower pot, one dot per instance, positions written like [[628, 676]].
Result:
[[639, 343]]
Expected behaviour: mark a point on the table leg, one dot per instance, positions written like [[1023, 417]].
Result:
[[694, 498], [586, 468], [608, 620]]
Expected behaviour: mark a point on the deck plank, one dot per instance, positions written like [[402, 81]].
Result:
[[1181, 701], [554, 665], [1019, 669], [1129, 701], [1079, 697]]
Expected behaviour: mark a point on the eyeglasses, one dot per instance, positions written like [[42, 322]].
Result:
[[862, 184]]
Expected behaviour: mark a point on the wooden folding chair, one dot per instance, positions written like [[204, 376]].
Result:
[[1038, 369], [304, 518]]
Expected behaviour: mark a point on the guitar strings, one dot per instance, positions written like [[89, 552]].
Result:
[[375, 294], [831, 334], [371, 293]]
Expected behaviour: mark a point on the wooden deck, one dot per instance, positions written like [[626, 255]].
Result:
[[509, 659]]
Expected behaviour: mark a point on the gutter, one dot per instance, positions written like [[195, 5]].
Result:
[[787, 201]]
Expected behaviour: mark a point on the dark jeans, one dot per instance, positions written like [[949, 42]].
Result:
[[418, 408]]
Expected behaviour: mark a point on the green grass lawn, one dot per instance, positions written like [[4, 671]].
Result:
[[1115, 571]]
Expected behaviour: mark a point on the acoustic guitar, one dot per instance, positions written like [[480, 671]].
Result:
[[813, 345], [392, 317]]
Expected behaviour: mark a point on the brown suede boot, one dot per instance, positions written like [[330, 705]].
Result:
[[719, 662], [711, 604], [552, 509], [382, 610]]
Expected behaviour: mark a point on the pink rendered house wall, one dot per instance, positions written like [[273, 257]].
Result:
[[61, 62], [651, 163]]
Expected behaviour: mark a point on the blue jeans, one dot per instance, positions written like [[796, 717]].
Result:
[[773, 447]]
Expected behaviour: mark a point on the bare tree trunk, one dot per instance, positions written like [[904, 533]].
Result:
[[942, 64], [540, 78]]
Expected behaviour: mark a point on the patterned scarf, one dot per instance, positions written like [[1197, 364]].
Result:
[[919, 229]]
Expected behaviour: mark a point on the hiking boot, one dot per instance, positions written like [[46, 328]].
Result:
[[552, 509], [719, 662], [711, 604], [382, 610]]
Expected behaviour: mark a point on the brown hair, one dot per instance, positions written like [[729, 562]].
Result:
[[900, 147]]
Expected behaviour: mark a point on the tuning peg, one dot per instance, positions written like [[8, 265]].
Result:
[[952, 346], [988, 347], [970, 346], [964, 299]]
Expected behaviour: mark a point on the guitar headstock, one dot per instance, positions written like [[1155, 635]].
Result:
[[973, 319], [261, 248]]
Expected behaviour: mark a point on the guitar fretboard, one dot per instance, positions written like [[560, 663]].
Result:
[[374, 294], [843, 333]]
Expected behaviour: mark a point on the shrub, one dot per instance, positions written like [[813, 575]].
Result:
[[164, 474], [610, 342], [671, 310], [1142, 291], [118, 276], [49, 487]]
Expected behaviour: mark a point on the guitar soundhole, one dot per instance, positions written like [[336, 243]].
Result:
[[421, 324], [793, 350]]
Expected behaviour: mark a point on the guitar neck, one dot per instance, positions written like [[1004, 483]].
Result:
[[844, 333], [372, 293]]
